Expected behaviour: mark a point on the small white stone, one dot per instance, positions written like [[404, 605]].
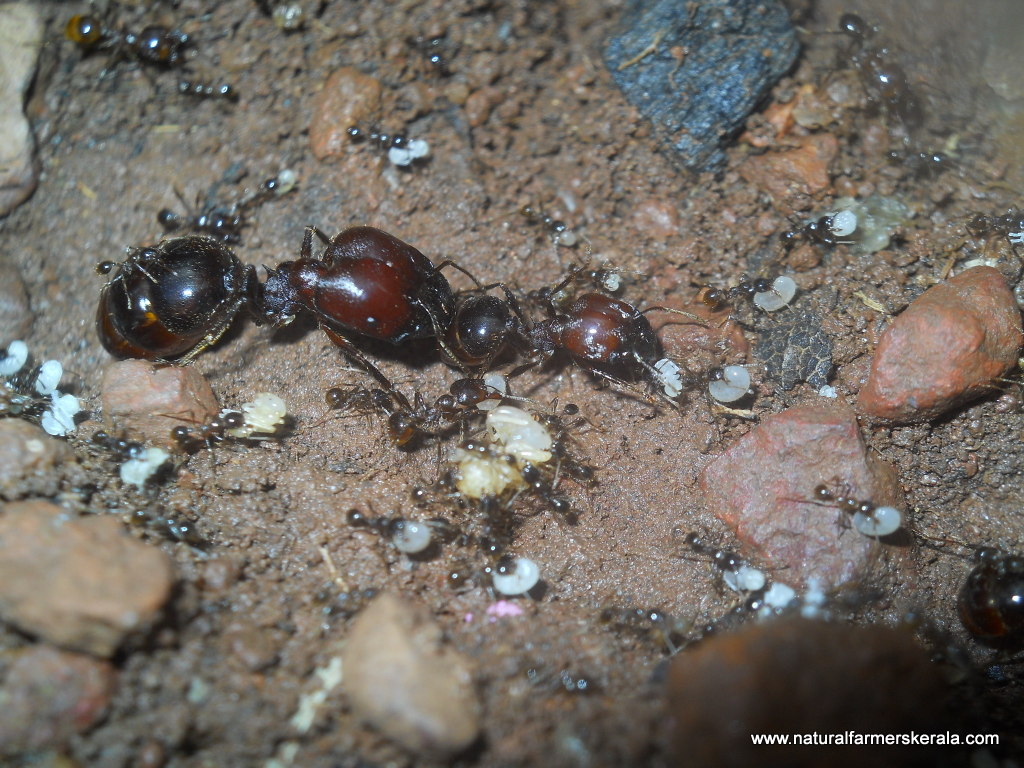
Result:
[[15, 359], [881, 522], [523, 577], [49, 377], [844, 223], [138, 471], [519, 434], [669, 378], [411, 537], [1016, 237], [744, 579], [782, 292], [734, 384], [828, 391]]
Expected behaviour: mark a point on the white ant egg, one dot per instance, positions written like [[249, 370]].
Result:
[[566, 238], [478, 475], [734, 384], [262, 416], [411, 537], [669, 378], [519, 434], [138, 471], [781, 293], [880, 522], [746, 578], [844, 223], [49, 377], [520, 579], [15, 359]]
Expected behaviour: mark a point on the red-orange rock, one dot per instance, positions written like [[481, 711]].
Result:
[[147, 400], [801, 172], [947, 348], [348, 99], [763, 488], [78, 582]]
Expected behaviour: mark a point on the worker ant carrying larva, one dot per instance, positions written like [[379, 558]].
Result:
[[868, 518], [767, 294], [261, 419], [410, 537], [1009, 225], [828, 230], [401, 150], [558, 230]]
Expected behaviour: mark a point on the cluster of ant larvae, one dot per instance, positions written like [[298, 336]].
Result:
[[667, 374], [264, 416], [30, 395]]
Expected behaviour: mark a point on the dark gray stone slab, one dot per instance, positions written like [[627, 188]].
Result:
[[707, 66]]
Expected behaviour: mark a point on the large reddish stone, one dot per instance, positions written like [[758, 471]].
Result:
[[78, 582], [947, 348], [349, 99], [763, 488]]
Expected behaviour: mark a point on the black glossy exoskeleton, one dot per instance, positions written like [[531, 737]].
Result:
[[991, 601], [155, 45], [173, 300]]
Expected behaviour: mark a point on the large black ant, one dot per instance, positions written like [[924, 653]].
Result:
[[884, 81], [173, 300]]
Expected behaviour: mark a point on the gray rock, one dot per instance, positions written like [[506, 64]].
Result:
[[21, 37], [697, 69]]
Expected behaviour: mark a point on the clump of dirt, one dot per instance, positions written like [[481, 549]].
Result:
[[518, 110]]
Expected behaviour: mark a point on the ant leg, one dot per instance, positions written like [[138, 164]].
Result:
[[359, 359], [306, 252], [690, 315], [463, 270]]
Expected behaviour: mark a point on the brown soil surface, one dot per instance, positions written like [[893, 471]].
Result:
[[526, 115]]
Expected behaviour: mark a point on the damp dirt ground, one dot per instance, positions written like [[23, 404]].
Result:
[[555, 133]]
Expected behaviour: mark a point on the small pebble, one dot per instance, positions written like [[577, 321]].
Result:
[[407, 683], [29, 460], [348, 98], [950, 346], [81, 583], [148, 400], [15, 310]]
